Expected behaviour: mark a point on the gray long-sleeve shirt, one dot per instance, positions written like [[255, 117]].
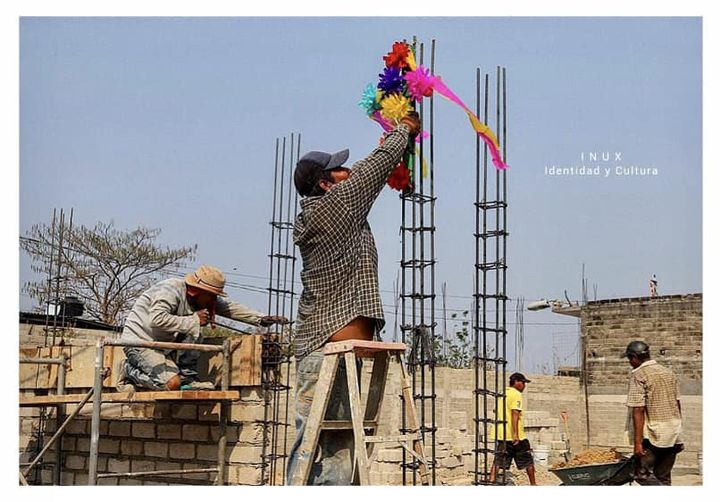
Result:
[[162, 312]]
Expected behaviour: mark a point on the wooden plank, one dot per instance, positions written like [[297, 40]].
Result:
[[28, 372], [136, 397], [306, 452], [363, 347], [247, 361], [340, 425], [357, 414], [81, 370]]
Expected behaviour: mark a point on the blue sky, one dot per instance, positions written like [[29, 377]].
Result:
[[171, 123]]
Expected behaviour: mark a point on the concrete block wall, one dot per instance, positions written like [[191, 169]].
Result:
[[149, 437], [671, 325], [184, 436]]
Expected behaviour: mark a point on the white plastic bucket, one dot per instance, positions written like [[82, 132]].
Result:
[[540, 454]]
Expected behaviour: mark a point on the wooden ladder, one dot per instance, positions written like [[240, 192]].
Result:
[[383, 354]]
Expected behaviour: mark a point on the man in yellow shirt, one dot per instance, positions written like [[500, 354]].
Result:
[[510, 433]]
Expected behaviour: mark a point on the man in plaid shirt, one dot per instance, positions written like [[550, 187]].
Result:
[[654, 401], [341, 297]]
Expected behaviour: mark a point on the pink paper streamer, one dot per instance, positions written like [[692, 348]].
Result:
[[444, 91]]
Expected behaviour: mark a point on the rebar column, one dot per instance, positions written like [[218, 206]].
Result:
[[281, 293], [490, 286], [418, 287]]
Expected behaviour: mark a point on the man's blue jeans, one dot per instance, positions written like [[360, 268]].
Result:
[[334, 458]]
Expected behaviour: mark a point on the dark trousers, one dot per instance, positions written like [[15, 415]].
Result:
[[656, 466]]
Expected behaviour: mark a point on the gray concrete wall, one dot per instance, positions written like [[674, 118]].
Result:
[[671, 325]]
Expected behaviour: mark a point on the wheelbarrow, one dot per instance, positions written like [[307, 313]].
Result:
[[611, 474]]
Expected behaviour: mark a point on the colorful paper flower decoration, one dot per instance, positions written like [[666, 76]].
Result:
[[398, 56], [400, 178], [391, 80], [419, 83], [395, 107], [401, 84], [370, 100]]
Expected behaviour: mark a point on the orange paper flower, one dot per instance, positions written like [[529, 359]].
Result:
[[398, 56]]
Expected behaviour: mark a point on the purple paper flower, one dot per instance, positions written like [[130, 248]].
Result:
[[391, 80]]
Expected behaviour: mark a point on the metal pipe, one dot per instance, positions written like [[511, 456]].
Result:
[[164, 345], [95, 424], [222, 440], [42, 360], [59, 432], [59, 414], [154, 473]]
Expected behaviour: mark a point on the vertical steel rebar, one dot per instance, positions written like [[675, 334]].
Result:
[[97, 403]]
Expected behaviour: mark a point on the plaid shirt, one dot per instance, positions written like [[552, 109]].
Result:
[[339, 277], [655, 387]]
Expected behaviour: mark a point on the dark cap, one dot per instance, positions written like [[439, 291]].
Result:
[[310, 166], [518, 377], [636, 348]]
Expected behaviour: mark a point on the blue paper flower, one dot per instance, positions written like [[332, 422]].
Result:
[[369, 101]]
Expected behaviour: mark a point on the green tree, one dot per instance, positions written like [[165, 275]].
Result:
[[105, 267]]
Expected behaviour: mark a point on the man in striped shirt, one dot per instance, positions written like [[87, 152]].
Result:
[[341, 297]]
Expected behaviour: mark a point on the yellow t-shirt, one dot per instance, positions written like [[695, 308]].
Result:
[[513, 401]]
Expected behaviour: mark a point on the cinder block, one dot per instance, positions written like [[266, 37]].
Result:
[[109, 446], [244, 475], [245, 455], [182, 450], [250, 433], [67, 478], [231, 432], [111, 410], [82, 444], [156, 449], [117, 465], [75, 462], [169, 431], [78, 427], [131, 447], [143, 430], [184, 411], [207, 452], [142, 465], [118, 428], [193, 432], [200, 475], [390, 455], [68, 443], [107, 482], [245, 412]]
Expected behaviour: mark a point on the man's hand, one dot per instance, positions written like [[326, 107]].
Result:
[[515, 441], [269, 320], [204, 316], [412, 120], [639, 451]]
